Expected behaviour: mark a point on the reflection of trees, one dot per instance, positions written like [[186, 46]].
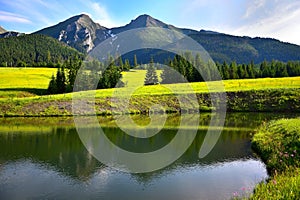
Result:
[[61, 147]]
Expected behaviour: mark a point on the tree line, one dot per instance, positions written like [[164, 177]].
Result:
[[91, 72], [265, 69], [194, 69], [181, 68]]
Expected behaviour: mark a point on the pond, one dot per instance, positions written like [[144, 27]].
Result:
[[44, 158]]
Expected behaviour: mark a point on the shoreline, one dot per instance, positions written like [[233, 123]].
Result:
[[268, 100], [277, 144]]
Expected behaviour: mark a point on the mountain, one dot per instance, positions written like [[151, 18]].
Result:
[[84, 34], [80, 32], [2, 30], [223, 47], [8, 34], [34, 50], [144, 21]]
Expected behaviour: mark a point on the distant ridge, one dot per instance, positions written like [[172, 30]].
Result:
[[82, 33]]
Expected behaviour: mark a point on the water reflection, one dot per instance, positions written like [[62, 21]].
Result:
[[44, 158]]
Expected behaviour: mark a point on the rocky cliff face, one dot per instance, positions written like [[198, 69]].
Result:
[[80, 32], [2, 30]]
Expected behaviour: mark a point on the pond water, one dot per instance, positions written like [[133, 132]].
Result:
[[44, 158]]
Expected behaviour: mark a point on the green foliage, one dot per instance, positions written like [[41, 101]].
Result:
[[280, 186], [52, 88], [34, 50], [110, 78], [57, 85], [151, 76], [266, 69], [169, 75], [72, 66], [278, 144], [194, 69]]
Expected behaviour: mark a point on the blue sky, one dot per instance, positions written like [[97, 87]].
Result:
[[264, 18]]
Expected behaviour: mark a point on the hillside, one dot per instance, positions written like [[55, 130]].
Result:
[[222, 47], [34, 50]]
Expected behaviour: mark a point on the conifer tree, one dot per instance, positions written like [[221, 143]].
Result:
[[151, 76], [135, 62], [52, 88]]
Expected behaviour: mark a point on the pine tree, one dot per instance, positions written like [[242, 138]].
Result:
[[151, 76], [233, 72], [168, 74], [72, 65], [264, 69], [245, 71], [250, 70], [213, 70], [200, 70], [126, 65], [52, 88], [225, 70], [121, 64], [60, 81], [135, 62]]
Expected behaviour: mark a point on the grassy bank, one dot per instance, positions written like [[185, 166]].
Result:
[[273, 100], [278, 144], [20, 90], [264, 100]]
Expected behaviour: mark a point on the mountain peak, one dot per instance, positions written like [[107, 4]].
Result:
[[84, 17], [80, 19], [146, 21], [2, 30], [144, 17], [79, 31]]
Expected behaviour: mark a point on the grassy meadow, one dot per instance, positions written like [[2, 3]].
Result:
[[278, 144], [21, 89], [24, 82], [33, 80]]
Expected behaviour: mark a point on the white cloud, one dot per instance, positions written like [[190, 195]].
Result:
[[253, 7], [12, 17], [278, 20], [33, 9]]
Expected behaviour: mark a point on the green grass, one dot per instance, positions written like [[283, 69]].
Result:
[[20, 94], [187, 88], [24, 82], [135, 78], [278, 144], [32, 81]]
